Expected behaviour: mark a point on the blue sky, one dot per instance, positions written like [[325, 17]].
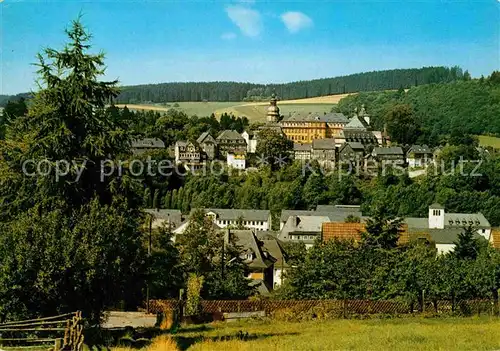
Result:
[[256, 41]]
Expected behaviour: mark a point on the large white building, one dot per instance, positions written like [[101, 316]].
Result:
[[259, 220], [444, 228]]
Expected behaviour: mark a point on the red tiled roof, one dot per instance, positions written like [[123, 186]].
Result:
[[352, 231]]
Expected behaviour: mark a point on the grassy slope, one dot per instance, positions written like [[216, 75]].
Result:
[[390, 334], [255, 111], [485, 140]]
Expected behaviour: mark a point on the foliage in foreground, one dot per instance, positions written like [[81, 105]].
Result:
[[68, 242], [375, 268]]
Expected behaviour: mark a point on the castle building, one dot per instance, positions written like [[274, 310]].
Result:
[[304, 129]]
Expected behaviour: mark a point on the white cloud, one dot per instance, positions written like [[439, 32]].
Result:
[[295, 21], [228, 36], [248, 20]]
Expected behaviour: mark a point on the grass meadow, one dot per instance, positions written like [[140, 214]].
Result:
[[375, 334], [254, 111], [485, 140]]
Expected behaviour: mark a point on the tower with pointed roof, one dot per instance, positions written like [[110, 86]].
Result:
[[273, 111]]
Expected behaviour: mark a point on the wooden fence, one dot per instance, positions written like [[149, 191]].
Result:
[[344, 308], [57, 333]]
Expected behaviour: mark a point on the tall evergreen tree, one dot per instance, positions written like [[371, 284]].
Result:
[[69, 240]]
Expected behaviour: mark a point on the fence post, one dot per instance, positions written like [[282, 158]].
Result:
[[57, 345], [239, 306], [423, 300], [344, 308], [495, 302]]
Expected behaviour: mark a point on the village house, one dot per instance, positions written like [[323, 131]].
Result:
[[419, 156], [208, 144], [230, 141], [444, 227], [189, 154], [304, 229], [335, 213], [393, 156], [236, 160], [358, 130], [276, 250], [251, 219], [351, 152], [440, 228], [253, 253], [168, 219], [140, 146], [302, 151], [324, 151], [250, 137]]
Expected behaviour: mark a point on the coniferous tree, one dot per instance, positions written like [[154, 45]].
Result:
[[72, 237]]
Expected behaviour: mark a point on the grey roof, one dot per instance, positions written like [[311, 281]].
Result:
[[436, 206], [230, 135], [335, 215], [356, 123], [266, 234], [203, 137], [329, 117], [476, 220], [308, 224], [420, 149], [355, 145], [394, 150], [323, 144], [276, 251], [246, 240], [148, 143], [173, 216], [334, 117], [302, 147], [451, 220], [234, 214], [414, 222], [448, 235]]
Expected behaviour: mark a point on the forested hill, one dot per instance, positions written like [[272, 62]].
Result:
[[429, 113], [233, 91]]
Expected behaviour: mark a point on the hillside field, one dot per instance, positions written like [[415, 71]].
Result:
[[413, 333], [254, 111], [485, 140]]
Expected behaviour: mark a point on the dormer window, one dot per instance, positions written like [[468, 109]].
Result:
[[450, 221]]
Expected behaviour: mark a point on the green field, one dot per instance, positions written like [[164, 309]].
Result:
[[485, 140], [255, 112], [377, 334]]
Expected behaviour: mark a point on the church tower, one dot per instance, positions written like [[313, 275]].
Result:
[[273, 111]]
